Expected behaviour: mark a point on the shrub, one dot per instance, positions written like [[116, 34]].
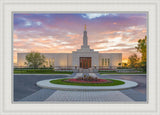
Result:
[[122, 68], [88, 78], [79, 78]]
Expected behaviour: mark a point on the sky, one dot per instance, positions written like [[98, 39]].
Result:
[[63, 33]]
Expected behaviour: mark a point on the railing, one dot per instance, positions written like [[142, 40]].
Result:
[[78, 69], [55, 68], [68, 67]]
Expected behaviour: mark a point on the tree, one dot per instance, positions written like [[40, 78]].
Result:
[[142, 48], [133, 60], [34, 59], [142, 45]]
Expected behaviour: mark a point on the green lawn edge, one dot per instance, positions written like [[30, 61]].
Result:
[[25, 72], [62, 82], [122, 73]]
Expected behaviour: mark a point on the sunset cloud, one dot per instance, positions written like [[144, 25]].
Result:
[[96, 15], [58, 33]]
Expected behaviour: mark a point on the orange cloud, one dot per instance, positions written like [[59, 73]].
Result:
[[15, 36]]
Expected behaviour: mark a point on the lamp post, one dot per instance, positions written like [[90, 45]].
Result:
[[75, 66]]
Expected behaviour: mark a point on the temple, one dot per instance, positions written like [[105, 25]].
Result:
[[82, 59]]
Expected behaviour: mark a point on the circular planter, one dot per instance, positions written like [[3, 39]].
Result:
[[47, 84]]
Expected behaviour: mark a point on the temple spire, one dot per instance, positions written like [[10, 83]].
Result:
[[85, 27], [85, 38], [85, 45]]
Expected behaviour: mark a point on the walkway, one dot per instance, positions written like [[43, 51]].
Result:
[[94, 96], [35, 93]]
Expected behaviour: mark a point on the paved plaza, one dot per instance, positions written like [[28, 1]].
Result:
[[25, 90]]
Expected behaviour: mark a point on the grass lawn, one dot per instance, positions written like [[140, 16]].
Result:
[[62, 82], [40, 72], [122, 73]]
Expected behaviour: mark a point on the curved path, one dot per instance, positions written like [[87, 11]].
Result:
[[47, 84]]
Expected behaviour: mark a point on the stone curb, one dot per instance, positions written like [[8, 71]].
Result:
[[47, 84]]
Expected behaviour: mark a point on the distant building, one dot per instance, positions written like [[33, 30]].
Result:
[[83, 58]]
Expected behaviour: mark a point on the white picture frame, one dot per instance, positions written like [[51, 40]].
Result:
[[6, 72]]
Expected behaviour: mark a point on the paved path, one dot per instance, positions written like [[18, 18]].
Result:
[[25, 85], [140, 79], [26, 90], [40, 95], [98, 96]]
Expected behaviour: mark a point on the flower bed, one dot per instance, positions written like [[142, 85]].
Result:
[[86, 81]]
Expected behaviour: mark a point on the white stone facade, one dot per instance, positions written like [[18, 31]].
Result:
[[73, 59], [114, 59], [54, 59]]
